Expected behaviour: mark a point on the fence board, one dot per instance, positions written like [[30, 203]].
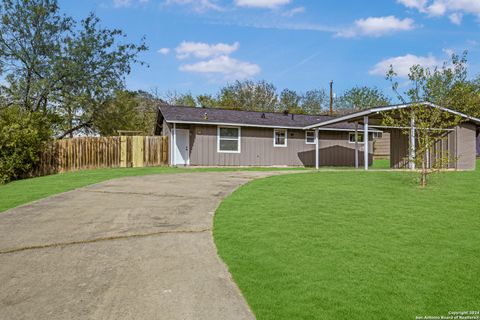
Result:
[[102, 152]]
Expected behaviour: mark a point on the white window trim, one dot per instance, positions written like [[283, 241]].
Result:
[[306, 140], [377, 135], [360, 140], [239, 139], [286, 138]]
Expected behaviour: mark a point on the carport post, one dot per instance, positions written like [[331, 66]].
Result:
[[411, 157], [365, 141], [317, 160], [356, 144]]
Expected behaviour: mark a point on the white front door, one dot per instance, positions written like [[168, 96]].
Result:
[[182, 149]]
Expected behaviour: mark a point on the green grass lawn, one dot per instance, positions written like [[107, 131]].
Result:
[[354, 245], [381, 164], [23, 191]]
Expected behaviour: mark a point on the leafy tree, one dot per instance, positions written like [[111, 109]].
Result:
[[466, 97], [437, 85], [249, 95], [359, 98], [180, 99], [23, 135], [207, 101], [290, 101], [52, 63], [313, 101], [129, 111], [451, 88]]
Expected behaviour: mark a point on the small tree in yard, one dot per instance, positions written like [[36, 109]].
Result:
[[430, 125], [437, 86]]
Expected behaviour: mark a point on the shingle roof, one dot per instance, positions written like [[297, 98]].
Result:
[[251, 118]]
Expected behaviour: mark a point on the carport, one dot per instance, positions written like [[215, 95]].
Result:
[[459, 142]]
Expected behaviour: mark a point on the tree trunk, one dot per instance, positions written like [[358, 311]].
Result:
[[424, 174]]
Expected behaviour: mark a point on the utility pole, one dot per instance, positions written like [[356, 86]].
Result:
[[331, 98]]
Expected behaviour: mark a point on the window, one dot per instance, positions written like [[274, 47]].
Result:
[[351, 137], [310, 137], [377, 135], [280, 137], [228, 139]]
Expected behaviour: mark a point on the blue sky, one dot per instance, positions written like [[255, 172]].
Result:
[[201, 45]]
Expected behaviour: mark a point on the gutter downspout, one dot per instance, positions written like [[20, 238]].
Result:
[[356, 144], [411, 157]]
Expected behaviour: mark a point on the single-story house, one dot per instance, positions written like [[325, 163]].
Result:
[[221, 137]]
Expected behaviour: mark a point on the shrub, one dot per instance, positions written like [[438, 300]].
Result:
[[23, 135]]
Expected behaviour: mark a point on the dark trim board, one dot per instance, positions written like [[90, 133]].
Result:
[[478, 143]]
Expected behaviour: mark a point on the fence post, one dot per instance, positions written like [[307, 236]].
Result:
[[165, 150]]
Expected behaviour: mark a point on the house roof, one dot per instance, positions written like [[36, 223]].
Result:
[[377, 110], [181, 114]]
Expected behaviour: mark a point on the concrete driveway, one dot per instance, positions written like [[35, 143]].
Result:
[[132, 248]]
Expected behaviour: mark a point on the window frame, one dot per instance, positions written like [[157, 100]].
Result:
[[239, 139], [306, 136], [377, 135], [360, 137], [275, 145]]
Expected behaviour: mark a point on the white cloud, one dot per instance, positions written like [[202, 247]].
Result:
[[455, 8], [415, 4], [128, 3], [223, 65], [294, 11], [269, 4], [164, 51], [401, 65], [122, 3], [215, 60], [456, 18], [204, 50], [378, 26], [197, 5], [448, 51]]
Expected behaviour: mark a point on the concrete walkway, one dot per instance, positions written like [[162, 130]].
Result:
[[133, 248]]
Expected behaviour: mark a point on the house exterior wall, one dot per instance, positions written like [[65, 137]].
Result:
[[381, 146], [466, 148], [165, 128], [257, 149]]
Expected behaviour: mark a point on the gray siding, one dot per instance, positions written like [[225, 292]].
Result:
[[257, 149], [398, 149], [165, 129], [466, 149], [381, 146]]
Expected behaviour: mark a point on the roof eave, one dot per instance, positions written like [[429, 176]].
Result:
[[230, 124]]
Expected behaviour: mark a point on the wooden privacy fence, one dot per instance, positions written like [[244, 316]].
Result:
[[103, 152]]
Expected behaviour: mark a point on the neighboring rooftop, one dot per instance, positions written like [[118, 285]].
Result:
[[181, 114]]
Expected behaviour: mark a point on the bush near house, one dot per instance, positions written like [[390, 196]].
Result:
[[22, 137]]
